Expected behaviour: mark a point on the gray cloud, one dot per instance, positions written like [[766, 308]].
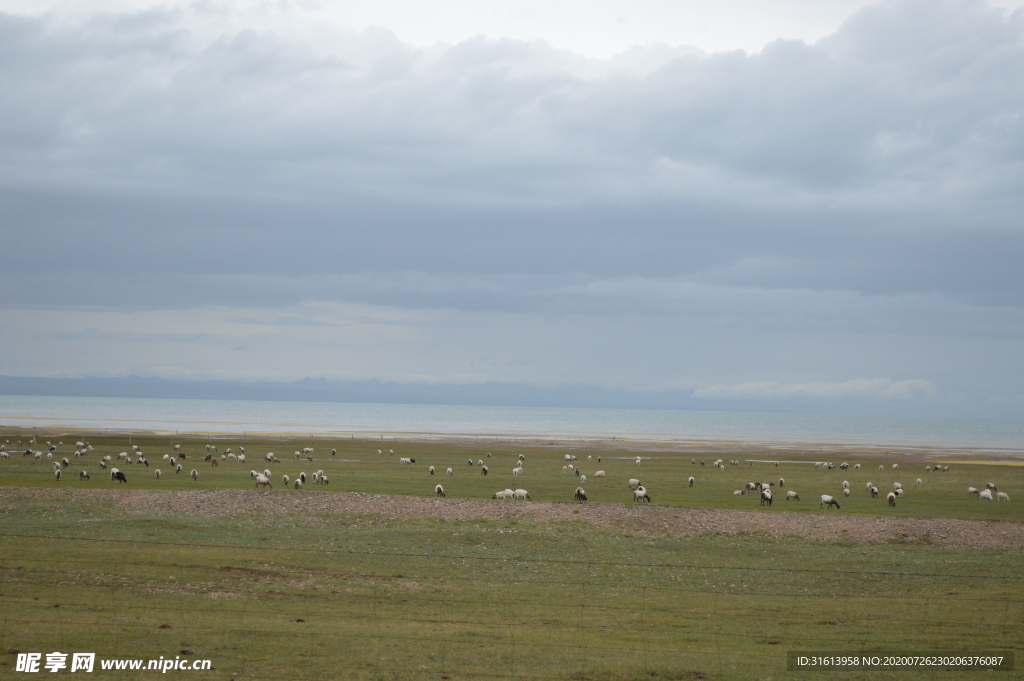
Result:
[[835, 211]]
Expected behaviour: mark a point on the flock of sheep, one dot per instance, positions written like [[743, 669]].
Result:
[[764, 490]]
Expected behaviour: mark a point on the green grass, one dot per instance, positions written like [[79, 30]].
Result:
[[404, 598], [357, 467], [337, 596]]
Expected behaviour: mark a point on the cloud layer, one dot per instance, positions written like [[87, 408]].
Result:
[[776, 225]]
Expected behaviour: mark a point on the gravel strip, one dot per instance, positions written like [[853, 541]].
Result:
[[676, 521]]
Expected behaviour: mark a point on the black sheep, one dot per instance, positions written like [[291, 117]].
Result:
[[119, 476]]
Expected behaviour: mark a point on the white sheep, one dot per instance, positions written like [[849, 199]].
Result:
[[972, 490], [64, 462], [633, 483], [324, 480], [881, 468], [599, 474], [782, 482], [897, 485], [83, 475], [899, 492], [178, 469], [157, 473], [194, 474], [640, 494], [991, 486], [284, 480], [449, 471], [891, 498], [738, 492], [241, 458], [985, 494], [500, 494], [517, 471], [790, 495], [266, 472], [846, 484], [431, 469], [521, 495], [264, 481], [302, 477], [56, 474], [846, 492], [895, 466], [919, 481], [177, 448], [766, 496], [439, 491], [856, 466], [638, 461], [103, 464], [172, 461], [826, 500], [1002, 496], [692, 480], [583, 479], [874, 492], [483, 470], [298, 484]]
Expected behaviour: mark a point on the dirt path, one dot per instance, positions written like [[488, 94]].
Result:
[[678, 521]]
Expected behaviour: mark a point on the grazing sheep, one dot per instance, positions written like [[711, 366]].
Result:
[[483, 470], [522, 457], [324, 480], [692, 481], [919, 481], [194, 474], [856, 466], [1002, 496], [874, 492], [83, 475], [284, 480], [895, 466], [449, 472], [522, 495], [782, 482], [599, 459], [576, 471], [792, 495], [119, 476], [972, 490], [846, 484], [298, 484], [868, 486], [470, 462], [157, 473], [640, 494], [891, 498], [881, 468], [638, 461], [56, 474], [480, 462], [64, 462], [985, 494], [241, 458], [266, 472], [439, 491], [991, 486], [178, 469], [579, 494], [766, 497], [899, 492], [599, 474], [113, 473], [431, 470], [843, 466], [826, 500], [897, 485], [738, 492], [846, 492], [633, 482], [565, 469], [103, 464], [302, 477], [213, 462], [500, 494], [172, 461], [264, 481], [517, 471]]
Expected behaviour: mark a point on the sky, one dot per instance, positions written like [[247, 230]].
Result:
[[796, 204]]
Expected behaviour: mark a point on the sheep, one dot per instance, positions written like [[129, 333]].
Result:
[[113, 473], [846, 484], [868, 486], [576, 471], [56, 474], [194, 474], [266, 472], [431, 469], [103, 465], [302, 477], [298, 484], [790, 495], [856, 466], [119, 476], [599, 459], [843, 466], [49, 456], [972, 490], [213, 462], [517, 471], [846, 492], [172, 461], [449, 471], [565, 469], [522, 457], [64, 462], [157, 473], [782, 482], [881, 468], [1002, 496], [439, 491], [738, 492], [241, 458], [919, 481], [324, 480], [284, 480], [264, 481], [826, 500], [470, 462], [638, 461], [633, 482], [692, 480], [874, 492], [583, 479], [991, 486], [899, 492], [599, 474], [895, 466], [83, 475], [897, 485], [480, 462], [766, 497], [985, 494], [640, 494], [522, 495], [178, 469], [334, 452], [509, 494], [891, 498], [483, 470], [500, 494], [580, 494]]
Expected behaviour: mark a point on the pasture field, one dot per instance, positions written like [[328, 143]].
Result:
[[299, 593], [664, 472]]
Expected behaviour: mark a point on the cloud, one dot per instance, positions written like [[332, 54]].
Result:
[[860, 388]]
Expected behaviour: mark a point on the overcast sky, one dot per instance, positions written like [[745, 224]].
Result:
[[794, 202]]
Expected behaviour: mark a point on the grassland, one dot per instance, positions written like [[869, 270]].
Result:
[[305, 594]]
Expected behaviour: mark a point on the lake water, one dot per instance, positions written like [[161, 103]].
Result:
[[238, 416]]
